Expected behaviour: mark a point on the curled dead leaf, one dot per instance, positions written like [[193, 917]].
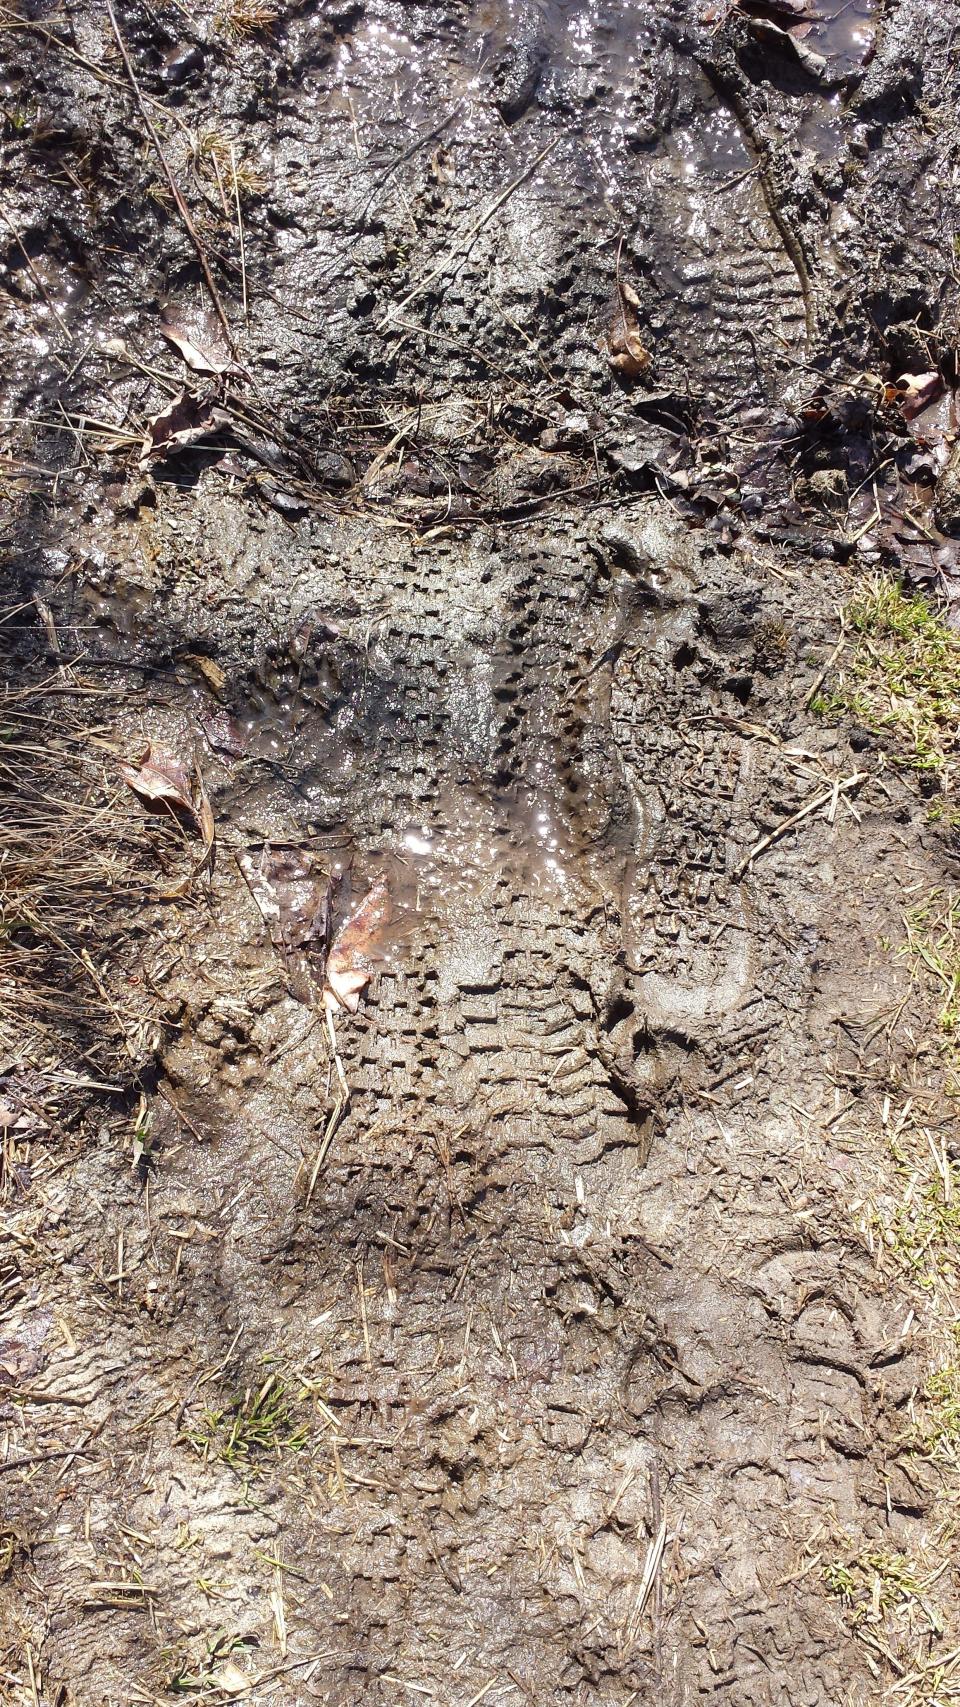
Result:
[[160, 776], [184, 422], [350, 961], [199, 339], [626, 351], [163, 779]]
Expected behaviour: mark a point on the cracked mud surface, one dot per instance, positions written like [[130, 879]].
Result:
[[579, 1341]]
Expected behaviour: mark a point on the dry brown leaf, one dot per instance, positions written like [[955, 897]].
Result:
[[917, 390], [626, 351], [350, 961], [186, 420], [162, 778], [224, 734], [159, 776], [199, 340]]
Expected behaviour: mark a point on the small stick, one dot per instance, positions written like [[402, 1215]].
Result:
[[58, 317], [828, 666], [181, 205], [183, 1118], [41, 1458], [243, 252], [363, 1317], [828, 794]]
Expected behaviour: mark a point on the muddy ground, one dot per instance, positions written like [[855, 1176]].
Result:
[[565, 1364]]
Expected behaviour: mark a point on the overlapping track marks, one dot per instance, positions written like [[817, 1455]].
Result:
[[549, 1036], [497, 775]]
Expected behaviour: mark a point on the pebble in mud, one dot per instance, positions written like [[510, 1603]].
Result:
[[182, 64]]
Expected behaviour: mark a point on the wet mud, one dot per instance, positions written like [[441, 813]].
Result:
[[580, 1357]]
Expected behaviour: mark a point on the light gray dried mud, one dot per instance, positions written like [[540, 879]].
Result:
[[576, 1290]]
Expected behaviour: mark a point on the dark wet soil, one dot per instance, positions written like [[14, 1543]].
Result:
[[584, 1359]]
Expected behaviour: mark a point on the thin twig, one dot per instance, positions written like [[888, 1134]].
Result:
[[181, 205], [828, 795], [243, 252], [408, 153], [41, 1458], [58, 317]]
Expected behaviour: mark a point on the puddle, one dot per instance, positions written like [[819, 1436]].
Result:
[[844, 34]]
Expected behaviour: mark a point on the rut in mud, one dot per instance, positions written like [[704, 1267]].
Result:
[[560, 1362]]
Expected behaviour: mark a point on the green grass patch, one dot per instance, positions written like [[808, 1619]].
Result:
[[940, 1431], [900, 677], [258, 1423], [923, 1232], [872, 1584]]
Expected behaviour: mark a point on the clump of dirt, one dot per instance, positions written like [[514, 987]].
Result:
[[461, 470]]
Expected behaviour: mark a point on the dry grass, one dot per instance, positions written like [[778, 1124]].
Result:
[[243, 19], [892, 1603], [217, 158], [933, 950], [72, 881], [900, 1598]]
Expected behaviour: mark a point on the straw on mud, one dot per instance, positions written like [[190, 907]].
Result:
[[181, 205], [243, 251], [650, 1569], [325, 1143], [361, 1295], [278, 1608], [828, 666], [336, 1115], [824, 798], [35, 275], [34, 1692]]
